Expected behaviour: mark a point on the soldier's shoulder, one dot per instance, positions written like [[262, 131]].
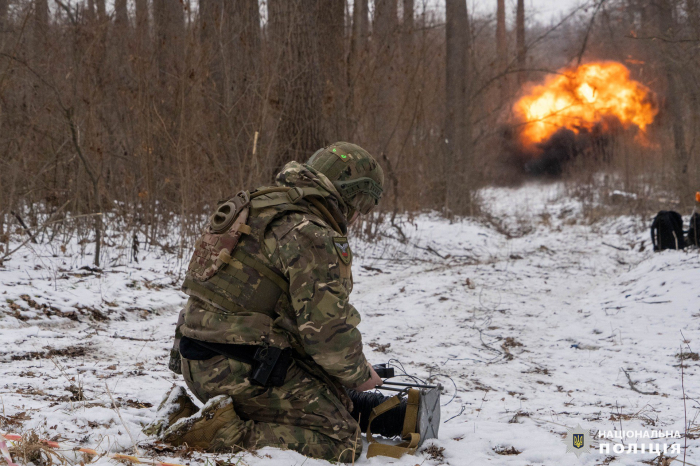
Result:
[[300, 223]]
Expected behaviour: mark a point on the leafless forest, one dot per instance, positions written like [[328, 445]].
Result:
[[141, 112]]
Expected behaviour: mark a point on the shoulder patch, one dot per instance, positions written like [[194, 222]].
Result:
[[342, 247]]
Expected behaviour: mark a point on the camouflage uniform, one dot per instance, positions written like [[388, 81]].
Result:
[[309, 413]]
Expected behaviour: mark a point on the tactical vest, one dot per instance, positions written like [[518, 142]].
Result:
[[237, 295]]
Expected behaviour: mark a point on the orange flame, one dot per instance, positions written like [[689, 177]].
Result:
[[582, 98]]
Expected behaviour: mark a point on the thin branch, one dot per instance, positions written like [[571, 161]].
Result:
[[588, 32], [633, 385], [116, 408]]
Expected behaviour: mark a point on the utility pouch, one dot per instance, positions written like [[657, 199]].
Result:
[[220, 237], [271, 365]]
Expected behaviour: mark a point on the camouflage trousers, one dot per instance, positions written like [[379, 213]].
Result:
[[301, 415]]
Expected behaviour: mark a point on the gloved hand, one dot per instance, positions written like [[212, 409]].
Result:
[[374, 381]]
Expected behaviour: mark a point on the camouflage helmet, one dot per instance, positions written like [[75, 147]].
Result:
[[353, 171]]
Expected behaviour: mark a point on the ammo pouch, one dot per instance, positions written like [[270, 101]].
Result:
[[270, 364]]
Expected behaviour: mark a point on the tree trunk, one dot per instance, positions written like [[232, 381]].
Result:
[[407, 28], [213, 36], [668, 30], [502, 48], [90, 13], [244, 73], [356, 62], [299, 85], [121, 16], [456, 163], [386, 71], [142, 26], [101, 10], [694, 16], [41, 25], [520, 39], [3, 17], [330, 20], [364, 19], [169, 22]]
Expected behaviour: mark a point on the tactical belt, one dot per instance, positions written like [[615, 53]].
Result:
[[408, 434], [262, 374]]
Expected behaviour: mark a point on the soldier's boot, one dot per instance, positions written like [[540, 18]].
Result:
[[176, 405], [215, 427]]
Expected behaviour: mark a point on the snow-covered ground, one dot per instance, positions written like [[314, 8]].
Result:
[[537, 323]]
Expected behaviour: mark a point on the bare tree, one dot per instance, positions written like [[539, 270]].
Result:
[[520, 42], [245, 71], [330, 20], [121, 17], [101, 10], [41, 24], [142, 25], [502, 46], [356, 61], [169, 22], [386, 42], [214, 34], [3, 15], [299, 84], [407, 27], [668, 30], [693, 11], [456, 164]]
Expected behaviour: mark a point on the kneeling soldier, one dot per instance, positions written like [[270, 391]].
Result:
[[269, 340]]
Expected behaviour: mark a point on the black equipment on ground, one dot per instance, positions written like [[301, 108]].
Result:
[[388, 424], [667, 231], [413, 414], [383, 371], [694, 230]]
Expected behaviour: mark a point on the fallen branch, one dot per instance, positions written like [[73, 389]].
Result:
[[614, 247], [433, 251], [116, 408], [122, 337], [633, 385]]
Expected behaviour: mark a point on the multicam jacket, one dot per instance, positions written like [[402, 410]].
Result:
[[297, 242]]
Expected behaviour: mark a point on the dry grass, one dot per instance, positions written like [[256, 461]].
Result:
[[689, 356], [434, 453], [507, 451], [31, 449]]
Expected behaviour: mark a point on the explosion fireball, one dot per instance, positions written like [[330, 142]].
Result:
[[592, 95]]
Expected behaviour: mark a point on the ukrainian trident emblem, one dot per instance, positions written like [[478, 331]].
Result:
[[578, 441]]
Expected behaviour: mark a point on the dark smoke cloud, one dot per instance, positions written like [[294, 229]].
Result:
[[550, 158]]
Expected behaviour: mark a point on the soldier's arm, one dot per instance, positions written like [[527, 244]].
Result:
[[327, 322]]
